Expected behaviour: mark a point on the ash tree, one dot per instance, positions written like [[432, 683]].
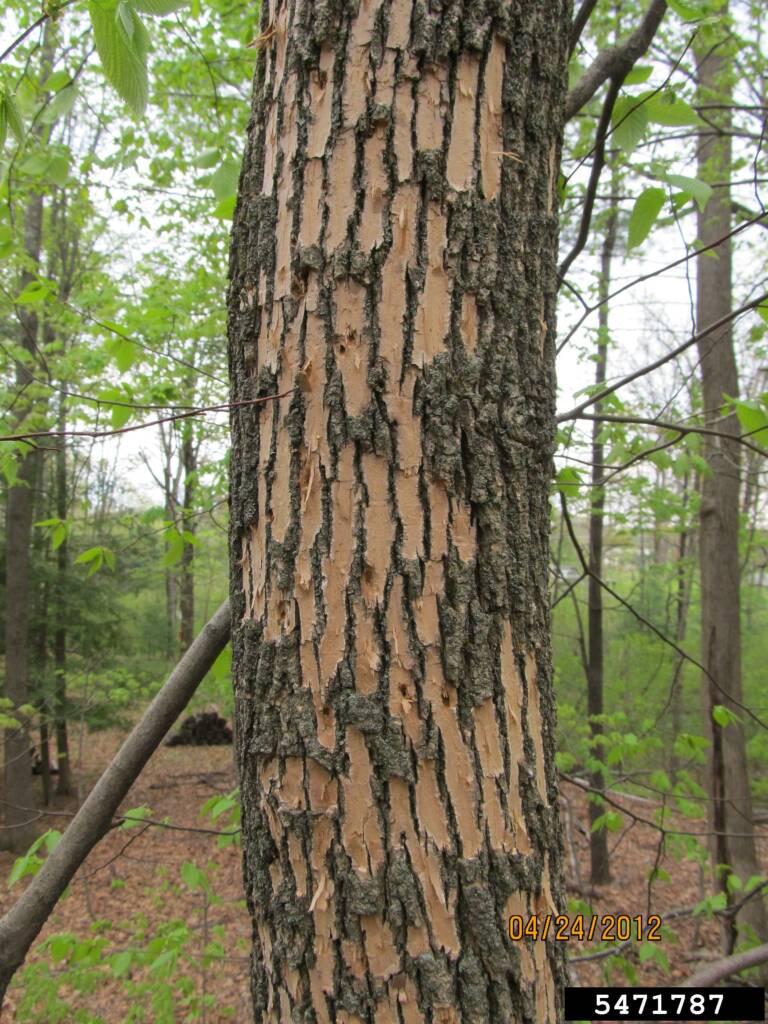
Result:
[[393, 280]]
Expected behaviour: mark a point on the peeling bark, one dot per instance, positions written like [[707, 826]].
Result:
[[393, 268]]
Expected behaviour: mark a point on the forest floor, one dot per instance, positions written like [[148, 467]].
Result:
[[131, 886]]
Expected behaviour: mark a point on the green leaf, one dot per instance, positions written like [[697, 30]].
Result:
[[690, 11], [123, 13], [120, 414], [61, 946], [611, 820], [120, 963], [660, 780], [208, 158], [753, 417], [57, 171], [568, 481], [629, 121], [175, 549], [226, 208], [700, 191], [6, 240], [644, 213], [192, 876], [60, 105], [95, 557], [640, 73], [34, 292], [91, 555], [14, 118], [29, 864], [135, 817], [123, 56], [224, 180], [159, 7], [122, 350], [723, 716], [56, 80], [668, 110]]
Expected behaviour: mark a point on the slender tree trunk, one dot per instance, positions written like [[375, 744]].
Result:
[[719, 520], [188, 523], [682, 605], [600, 872], [393, 276], [42, 695], [65, 785], [19, 829]]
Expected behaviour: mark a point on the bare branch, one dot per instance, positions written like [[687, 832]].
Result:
[[580, 19], [673, 354], [616, 61], [594, 177], [728, 965], [656, 273], [21, 925], [680, 428], [98, 434]]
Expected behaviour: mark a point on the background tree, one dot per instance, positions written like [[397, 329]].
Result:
[[731, 813]]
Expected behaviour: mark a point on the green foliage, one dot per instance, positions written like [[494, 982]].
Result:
[[122, 43], [644, 213], [160, 970], [31, 863], [224, 812]]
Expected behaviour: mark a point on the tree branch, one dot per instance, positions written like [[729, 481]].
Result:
[[728, 965], [21, 925], [580, 20], [99, 434], [680, 428], [616, 61], [594, 177], [673, 354]]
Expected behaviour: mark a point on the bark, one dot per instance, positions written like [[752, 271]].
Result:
[[187, 524], [393, 266], [719, 518], [19, 831], [22, 924], [600, 871]]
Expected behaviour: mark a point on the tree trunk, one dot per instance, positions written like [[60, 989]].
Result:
[[719, 519], [600, 871], [19, 829], [682, 605], [187, 525], [41, 668], [65, 784], [393, 277]]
